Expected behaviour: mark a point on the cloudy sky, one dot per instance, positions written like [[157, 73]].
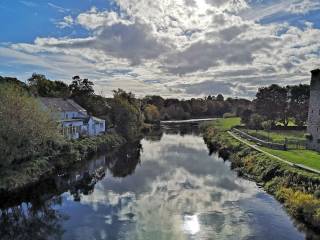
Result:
[[176, 48]]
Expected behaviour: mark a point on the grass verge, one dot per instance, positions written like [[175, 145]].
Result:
[[298, 190]]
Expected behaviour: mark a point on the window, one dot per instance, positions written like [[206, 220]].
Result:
[[66, 115]]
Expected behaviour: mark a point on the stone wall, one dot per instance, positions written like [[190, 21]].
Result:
[[314, 112]]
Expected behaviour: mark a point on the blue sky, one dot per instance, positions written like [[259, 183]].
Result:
[[176, 48]]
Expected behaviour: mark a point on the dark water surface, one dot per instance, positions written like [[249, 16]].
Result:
[[165, 187]]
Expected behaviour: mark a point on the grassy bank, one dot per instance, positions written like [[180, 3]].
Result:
[[61, 155], [298, 190]]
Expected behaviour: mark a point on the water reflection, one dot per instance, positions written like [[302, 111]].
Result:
[[164, 187], [32, 222]]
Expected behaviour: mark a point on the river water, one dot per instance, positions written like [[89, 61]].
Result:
[[164, 187]]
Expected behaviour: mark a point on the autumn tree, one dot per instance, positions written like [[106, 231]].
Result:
[[25, 128], [151, 114]]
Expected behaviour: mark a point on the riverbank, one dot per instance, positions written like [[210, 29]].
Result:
[[61, 156], [298, 190]]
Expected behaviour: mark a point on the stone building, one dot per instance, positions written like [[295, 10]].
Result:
[[313, 129]]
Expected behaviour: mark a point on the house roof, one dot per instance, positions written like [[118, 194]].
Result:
[[62, 105]]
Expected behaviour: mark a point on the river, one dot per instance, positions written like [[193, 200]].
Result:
[[165, 187]]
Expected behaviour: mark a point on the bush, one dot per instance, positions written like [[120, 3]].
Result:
[[229, 115], [26, 130], [301, 205], [255, 121], [308, 136]]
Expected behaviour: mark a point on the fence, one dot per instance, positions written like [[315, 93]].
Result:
[[260, 142], [264, 141]]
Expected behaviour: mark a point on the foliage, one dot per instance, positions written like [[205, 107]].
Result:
[[293, 186], [210, 106], [126, 114], [255, 121], [301, 205], [271, 102], [229, 115], [43, 87], [299, 102], [281, 104], [61, 155], [25, 129], [245, 116], [151, 114], [266, 125], [81, 87], [308, 136]]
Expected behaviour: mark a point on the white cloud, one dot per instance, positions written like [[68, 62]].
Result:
[[66, 22], [58, 8], [184, 48], [304, 6]]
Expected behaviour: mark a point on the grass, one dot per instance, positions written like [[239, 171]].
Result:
[[226, 124], [290, 124], [306, 157], [294, 187]]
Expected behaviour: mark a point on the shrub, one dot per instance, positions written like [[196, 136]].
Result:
[[301, 205], [229, 115], [308, 136]]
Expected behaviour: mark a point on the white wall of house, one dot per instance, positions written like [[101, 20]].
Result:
[[96, 127], [72, 129]]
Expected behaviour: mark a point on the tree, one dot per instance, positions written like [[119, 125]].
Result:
[[256, 121], [220, 98], [126, 114], [81, 87], [299, 102], [151, 113], [25, 128], [154, 100], [272, 103], [43, 87], [246, 116]]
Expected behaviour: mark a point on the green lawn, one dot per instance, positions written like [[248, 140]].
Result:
[[227, 123], [306, 157]]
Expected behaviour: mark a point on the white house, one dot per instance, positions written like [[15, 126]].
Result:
[[74, 120]]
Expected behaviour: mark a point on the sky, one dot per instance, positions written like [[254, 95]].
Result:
[[172, 48]]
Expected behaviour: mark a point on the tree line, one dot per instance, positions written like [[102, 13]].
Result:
[[275, 104], [24, 128]]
